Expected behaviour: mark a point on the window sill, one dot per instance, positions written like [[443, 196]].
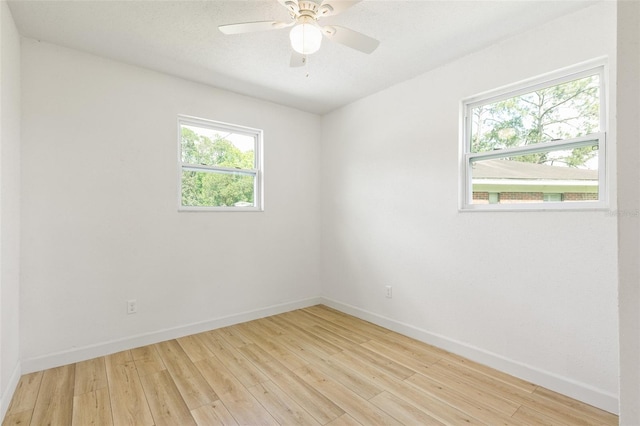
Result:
[[537, 207], [194, 209]]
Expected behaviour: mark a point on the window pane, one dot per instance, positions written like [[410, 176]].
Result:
[[552, 197], [216, 189], [565, 111], [212, 147], [558, 176]]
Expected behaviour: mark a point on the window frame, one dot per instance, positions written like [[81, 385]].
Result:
[[256, 172], [595, 67]]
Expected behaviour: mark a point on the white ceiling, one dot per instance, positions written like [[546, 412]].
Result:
[[181, 38]]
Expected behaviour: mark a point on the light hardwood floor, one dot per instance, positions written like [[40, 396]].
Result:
[[313, 366]]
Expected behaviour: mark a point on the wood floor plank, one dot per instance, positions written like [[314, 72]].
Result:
[[459, 372], [303, 350], [20, 418], [413, 344], [332, 337], [194, 348], [322, 409], [489, 399], [304, 321], [192, 386], [91, 375], [26, 393], [360, 354], [342, 332], [434, 407], [261, 327], [344, 420], [245, 409], [147, 360], [92, 408], [479, 368], [320, 346], [305, 345], [402, 410], [375, 372], [344, 375], [281, 406], [257, 332], [54, 404], [240, 402], [530, 416], [120, 358], [365, 328], [463, 402], [598, 415], [128, 401], [561, 413], [319, 406], [218, 376], [233, 359], [336, 329], [357, 407], [214, 414], [232, 335], [425, 402], [498, 375], [349, 377], [269, 365], [165, 402], [409, 349], [301, 318], [419, 364]]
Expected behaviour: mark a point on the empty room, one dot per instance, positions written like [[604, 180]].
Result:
[[319, 212]]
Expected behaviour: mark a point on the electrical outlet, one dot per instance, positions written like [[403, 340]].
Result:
[[389, 291], [132, 306]]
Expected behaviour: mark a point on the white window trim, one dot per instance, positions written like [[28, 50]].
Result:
[[258, 171], [599, 67]]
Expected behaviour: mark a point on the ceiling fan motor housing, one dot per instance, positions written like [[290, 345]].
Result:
[[310, 8]]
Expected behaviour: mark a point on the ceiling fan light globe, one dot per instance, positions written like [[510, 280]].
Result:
[[306, 38]]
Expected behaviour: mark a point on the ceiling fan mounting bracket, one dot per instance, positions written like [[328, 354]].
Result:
[[329, 30], [292, 6], [325, 9]]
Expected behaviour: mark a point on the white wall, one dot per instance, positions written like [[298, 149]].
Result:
[[629, 208], [100, 220], [532, 293], [9, 206]]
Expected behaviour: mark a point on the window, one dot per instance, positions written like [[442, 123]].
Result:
[[538, 145], [220, 166], [551, 197]]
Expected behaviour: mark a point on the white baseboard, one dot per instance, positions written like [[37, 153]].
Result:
[[566, 386], [563, 385], [7, 392], [29, 365]]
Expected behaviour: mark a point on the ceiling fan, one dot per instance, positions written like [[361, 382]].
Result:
[[306, 34]]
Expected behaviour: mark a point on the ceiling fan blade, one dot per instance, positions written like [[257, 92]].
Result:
[[350, 38], [250, 27], [297, 59], [333, 7]]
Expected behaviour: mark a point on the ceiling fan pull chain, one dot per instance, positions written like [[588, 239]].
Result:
[[305, 60]]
